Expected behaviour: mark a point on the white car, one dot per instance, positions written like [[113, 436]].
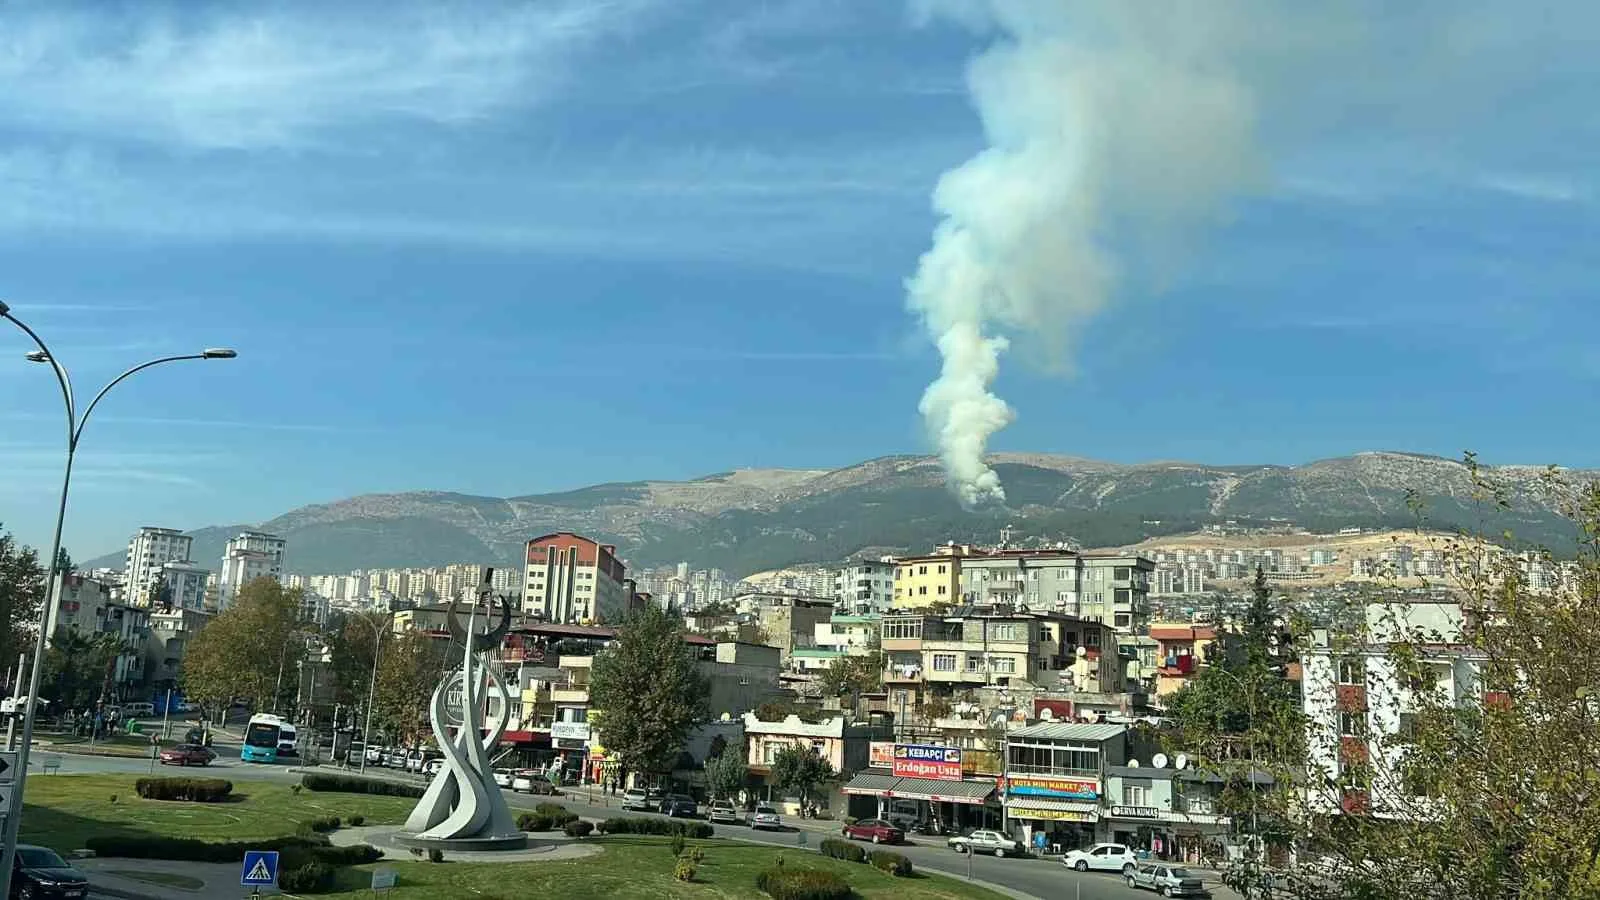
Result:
[[1102, 858], [635, 798], [983, 841], [502, 777], [722, 811], [764, 817]]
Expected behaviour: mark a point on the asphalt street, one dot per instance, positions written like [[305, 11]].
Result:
[[1031, 877]]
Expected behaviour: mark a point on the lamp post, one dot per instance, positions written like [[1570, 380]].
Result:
[[377, 624], [75, 423]]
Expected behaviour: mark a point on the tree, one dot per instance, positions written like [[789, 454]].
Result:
[[78, 668], [409, 668], [727, 773], [854, 675], [64, 565], [251, 649], [22, 590], [798, 770], [648, 691], [349, 638], [936, 708]]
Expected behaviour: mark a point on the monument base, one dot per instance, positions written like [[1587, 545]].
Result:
[[517, 841]]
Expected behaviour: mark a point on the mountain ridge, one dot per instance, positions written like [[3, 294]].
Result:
[[753, 519]]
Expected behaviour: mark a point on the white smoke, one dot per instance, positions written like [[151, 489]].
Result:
[[1122, 121]]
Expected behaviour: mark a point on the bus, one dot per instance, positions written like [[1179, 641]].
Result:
[[268, 738]]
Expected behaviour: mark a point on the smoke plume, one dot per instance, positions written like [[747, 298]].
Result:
[[1121, 122]]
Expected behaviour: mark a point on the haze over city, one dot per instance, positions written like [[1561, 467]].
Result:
[[511, 248]]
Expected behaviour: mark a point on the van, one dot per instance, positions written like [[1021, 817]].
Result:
[[138, 710]]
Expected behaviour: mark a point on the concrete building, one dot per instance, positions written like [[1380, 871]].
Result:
[[573, 579], [1180, 652], [790, 622], [183, 585], [920, 581], [865, 587], [248, 556], [1055, 779], [171, 630], [149, 550], [85, 607]]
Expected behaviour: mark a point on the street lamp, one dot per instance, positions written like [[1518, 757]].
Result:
[[378, 627], [75, 423]]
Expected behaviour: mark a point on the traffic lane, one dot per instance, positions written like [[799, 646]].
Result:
[[75, 764], [1033, 877]]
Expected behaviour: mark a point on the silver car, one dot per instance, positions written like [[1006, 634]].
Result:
[[764, 817], [1168, 881], [984, 841]]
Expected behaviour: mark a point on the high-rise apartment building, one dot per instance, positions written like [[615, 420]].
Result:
[[571, 578], [865, 587], [183, 585], [148, 551], [250, 555]]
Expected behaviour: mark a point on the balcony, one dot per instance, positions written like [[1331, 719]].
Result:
[[569, 693], [902, 675]]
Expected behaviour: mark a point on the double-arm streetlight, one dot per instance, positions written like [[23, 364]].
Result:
[[75, 423]]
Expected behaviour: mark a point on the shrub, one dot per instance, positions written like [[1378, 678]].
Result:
[[113, 798], [191, 850], [200, 790], [578, 829], [349, 784], [657, 826], [684, 871], [553, 810], [842, 850], [311, 878], [355, 821], [353, 855], [533, 822], [802, 884], [697, 856], [676, 844], [894, 863], [295, 789], [323, 826], [435, 855]]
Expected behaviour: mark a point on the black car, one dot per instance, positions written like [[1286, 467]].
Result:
[[39, 873], [676, 805]]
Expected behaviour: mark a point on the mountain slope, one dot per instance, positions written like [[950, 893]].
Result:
[[757, 519]]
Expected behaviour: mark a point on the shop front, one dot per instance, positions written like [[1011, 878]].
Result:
[[913, 803], [570, 741], [1053, 813]]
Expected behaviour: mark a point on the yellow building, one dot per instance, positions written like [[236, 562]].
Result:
[[920, 581]]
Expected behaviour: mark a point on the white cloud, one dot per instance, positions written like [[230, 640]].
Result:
[[284, 76]]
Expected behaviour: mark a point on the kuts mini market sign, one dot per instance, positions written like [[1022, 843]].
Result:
[[927, 761]]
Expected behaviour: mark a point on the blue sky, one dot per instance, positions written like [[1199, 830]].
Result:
[[511, 248]]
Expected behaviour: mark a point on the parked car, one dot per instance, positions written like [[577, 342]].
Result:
[[1102, 858], [40, 872], [676, 805], [875, 830], [723, 811], [187, 755], [655, 796], [1168, 881], [764, 817], [984, 841], [503, 777], [394, 759], [633, 798], [375, 755], [138, 710]]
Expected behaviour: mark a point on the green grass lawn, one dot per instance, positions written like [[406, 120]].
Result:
[[63, 811], [640, 867], [135, 746]]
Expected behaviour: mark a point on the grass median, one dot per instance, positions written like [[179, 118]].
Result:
[[637, 868], [63, 811]]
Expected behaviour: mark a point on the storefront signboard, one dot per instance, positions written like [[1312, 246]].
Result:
[[570, 731], [880, 753], [1055, 788], [927, 761], [1053, 815], [1135, 812]]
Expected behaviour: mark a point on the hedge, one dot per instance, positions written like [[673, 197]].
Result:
[[842, 850], [802, 884], [578, 829], [191, 850], [200, 790], [353, 855], [311, 878], [657, 826], [894, 863], [349, 784], [534, 822]]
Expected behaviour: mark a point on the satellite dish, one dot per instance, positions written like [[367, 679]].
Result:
[[1182, 761], [1133, 764], [1046, 714], [1159, 761]]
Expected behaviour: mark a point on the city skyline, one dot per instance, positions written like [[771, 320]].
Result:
[[470, 218]]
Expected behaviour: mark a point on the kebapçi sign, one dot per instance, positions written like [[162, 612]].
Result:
[[927, 761]]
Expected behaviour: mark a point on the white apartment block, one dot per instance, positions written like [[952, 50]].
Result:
[[184, 585], [864, 587], [149, 550], [250, 555], [313, 608]]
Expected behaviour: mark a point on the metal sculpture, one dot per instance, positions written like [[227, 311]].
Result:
[[463, 806]]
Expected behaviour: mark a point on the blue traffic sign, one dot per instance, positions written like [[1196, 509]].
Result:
[[260, 868]]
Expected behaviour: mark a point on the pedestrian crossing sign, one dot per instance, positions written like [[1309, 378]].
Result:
[[260, 868]]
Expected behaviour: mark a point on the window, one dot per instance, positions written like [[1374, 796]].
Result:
[[1122, 595], [1353, 724], [1352, 671], [922, 590], [942, 569], [944, 662], [1005, 632], [974, 663], [1044, 633], [1123, 620], [922, 570], [1070, 639], [1123, 573], [1091, 639], [943, 589], [1004, 665], [1136, 791]]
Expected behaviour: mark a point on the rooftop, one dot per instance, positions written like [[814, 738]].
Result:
[[1069, 731]]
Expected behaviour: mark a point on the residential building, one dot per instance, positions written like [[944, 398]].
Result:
[[1115, 588], [1055, 778], [573, 579], [920, 581], [1170, 812], [1180, 652], [149, 550], [183, 585], [80, 604], [85, 606], [865, 587], [248, 556], [844, 744], [850, 635], [791, 622], [313, 608], [171, 630]]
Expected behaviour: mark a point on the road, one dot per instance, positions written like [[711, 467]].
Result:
[[1032, 877]]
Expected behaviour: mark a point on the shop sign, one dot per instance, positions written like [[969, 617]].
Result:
[[568, 744], [927, 761], [1054, 815], [1055, 788], [570, 731], [1135, 812], [880, 753]]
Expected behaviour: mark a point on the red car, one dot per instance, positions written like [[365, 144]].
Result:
[[187, 755], [875, 830]]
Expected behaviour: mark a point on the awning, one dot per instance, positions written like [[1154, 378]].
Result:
[[877, 784], [872, 783]]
